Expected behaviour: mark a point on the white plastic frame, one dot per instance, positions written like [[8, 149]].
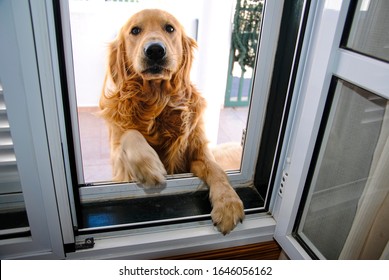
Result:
[[23, 85]]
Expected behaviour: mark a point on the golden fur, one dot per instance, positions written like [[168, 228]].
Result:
[[154, 113]]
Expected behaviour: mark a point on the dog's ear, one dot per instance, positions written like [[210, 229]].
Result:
[[117, 66], [188, 45]]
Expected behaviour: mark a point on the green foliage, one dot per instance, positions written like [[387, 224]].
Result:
[[246, 29]]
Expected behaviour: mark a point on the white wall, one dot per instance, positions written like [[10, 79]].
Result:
[[95, 23], [214, 48]]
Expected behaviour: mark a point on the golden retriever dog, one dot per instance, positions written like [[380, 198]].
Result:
[[154, 113]]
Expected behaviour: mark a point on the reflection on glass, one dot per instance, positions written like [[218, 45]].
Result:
[[222, 70], [13, 214], [348, 191], [369, 31]]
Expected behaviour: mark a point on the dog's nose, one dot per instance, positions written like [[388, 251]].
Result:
[[155, 51]]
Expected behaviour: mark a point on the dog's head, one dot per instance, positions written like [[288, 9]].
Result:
[[151, 45]]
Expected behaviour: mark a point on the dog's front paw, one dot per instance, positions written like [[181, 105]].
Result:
[[227, 210], [141, 161], [146, 168]]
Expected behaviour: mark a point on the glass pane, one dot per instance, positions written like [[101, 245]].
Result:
[[13, 214], [348, 189], [222, 69], [369, 31]]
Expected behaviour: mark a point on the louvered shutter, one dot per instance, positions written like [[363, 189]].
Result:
[[10, 186]]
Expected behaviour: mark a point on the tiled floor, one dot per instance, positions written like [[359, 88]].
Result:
[[95, 145], [232, 123]]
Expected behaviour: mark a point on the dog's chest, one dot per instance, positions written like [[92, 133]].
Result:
[[170, 122], [166, 127], [170, 139]]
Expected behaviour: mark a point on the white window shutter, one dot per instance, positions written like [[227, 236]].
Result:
[[9, 176]]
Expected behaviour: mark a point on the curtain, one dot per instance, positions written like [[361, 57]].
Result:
[[369, 234]]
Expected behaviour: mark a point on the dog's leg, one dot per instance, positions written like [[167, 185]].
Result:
[[139, 159], [227, 208]]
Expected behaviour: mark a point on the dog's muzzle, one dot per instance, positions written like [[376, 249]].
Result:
[[155, 57]]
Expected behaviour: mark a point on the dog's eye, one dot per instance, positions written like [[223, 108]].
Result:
[[169, 28], [135, 31]]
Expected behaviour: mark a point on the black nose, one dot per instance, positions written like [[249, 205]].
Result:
[[155, 51]]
